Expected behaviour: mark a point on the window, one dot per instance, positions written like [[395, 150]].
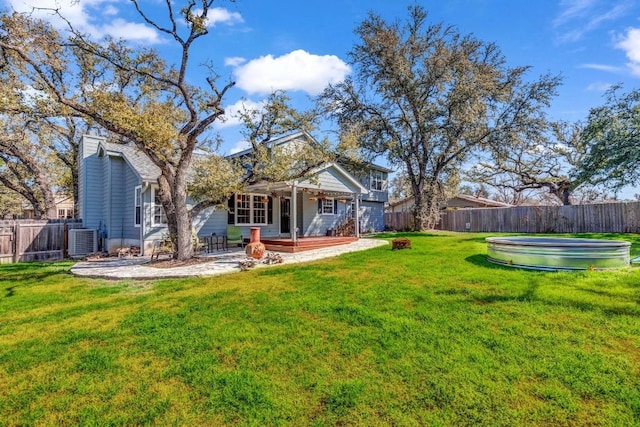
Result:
[[253, 209], [327, 206], [62, 213], [259, 210], [159, 217], [377, 181], [137, 203]]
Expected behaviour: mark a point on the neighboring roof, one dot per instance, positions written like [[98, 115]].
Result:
[[138, 161], [484, 201], [473, 199]]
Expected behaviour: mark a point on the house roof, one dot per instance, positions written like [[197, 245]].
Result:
[[277, 141], [139, 161], [308, 137], [349, 185], [483, 201], [148, 171], [306, 183]]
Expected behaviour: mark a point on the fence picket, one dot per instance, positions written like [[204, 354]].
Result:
[[31, 240], [621, 217]]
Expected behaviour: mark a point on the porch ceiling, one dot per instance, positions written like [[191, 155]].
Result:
[[308, 189]]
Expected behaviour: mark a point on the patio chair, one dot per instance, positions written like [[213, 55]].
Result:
[[234, 236]]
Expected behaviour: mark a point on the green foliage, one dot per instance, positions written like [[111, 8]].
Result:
[[134, 94], [544, 156], [434, 335], [10, 203], [611, 135]]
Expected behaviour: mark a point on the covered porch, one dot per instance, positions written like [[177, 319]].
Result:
[[318, 211]]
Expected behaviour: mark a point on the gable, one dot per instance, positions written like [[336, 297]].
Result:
[[332, 178]]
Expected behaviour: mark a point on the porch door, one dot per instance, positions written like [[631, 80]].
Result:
[[285, 215]]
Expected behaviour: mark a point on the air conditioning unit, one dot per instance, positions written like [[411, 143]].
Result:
[[82, 241]]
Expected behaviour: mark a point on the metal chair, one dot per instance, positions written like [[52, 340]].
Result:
[[234, 236]]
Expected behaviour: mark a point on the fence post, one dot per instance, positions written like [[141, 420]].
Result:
[[65, 240], [16, 244]]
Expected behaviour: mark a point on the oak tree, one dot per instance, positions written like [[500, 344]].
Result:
[[545, 157], [428, 98], [612, 137], [134, 94]]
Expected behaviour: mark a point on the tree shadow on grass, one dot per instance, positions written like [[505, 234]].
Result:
[[31, 272], [531, 294], [407, 234], [480, 260]]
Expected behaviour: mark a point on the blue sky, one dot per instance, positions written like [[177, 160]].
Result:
[[302, 46]]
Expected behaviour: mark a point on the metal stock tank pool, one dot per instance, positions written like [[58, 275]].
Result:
[[558, 253]]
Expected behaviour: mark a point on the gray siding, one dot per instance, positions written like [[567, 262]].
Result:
[[375, 195], [121, 201], [315, 224], [152, 232], [90, 183], [329, 180], [131, 181], [213, 220], [105, 218], [371, 216]]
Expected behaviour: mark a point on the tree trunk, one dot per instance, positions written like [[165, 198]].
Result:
[[179, 222], [563, 192], [426, 209], [50, 205]]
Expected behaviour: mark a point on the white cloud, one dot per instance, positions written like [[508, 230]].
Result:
[[579, 17], [599, 87], [602, 67], [630, 43], [82, 15], [121, 29], [298, 70], [572, 9], [231, 117], [221, 15], [240, 146], [234, 61]]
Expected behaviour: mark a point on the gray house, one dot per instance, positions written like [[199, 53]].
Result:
[[117, 186]]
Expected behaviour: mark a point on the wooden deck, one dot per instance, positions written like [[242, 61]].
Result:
[[304, 243]]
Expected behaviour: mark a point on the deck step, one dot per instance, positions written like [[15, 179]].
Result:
[[305, 244]]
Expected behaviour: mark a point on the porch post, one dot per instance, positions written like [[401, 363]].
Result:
[[356, 216], [294, 211]]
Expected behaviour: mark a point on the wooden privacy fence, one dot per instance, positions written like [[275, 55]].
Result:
[[33, 240], [621, 217], [398, 221]]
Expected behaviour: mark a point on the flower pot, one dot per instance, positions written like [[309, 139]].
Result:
[[255, 249]]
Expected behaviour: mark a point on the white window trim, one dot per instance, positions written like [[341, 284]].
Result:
[[328, 199], [382, 180], [153, 211], [251, 210], [137, 198]]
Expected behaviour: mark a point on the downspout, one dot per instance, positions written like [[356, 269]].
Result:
[[356, 218], [145, 187], [294, 213]]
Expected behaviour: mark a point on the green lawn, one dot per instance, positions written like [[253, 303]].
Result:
[[433, 335]]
